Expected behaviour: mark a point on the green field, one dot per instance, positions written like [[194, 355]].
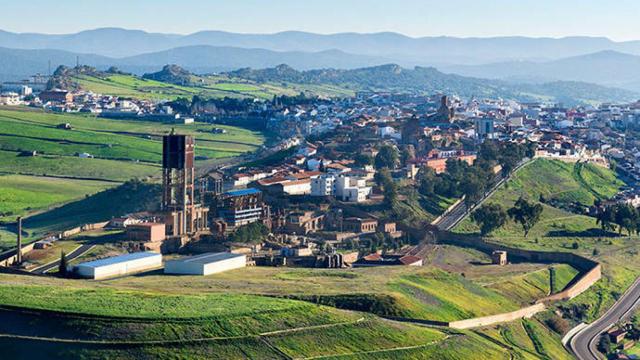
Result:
[[210, 86], [20, 195], [112, 139], [166, 324]]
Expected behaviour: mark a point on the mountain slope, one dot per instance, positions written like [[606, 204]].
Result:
[[430, 80]]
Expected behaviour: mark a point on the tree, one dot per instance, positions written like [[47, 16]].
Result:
[[62, 268], [383, 179], [408, 154], [387, 157], [526, 214], [473, 188], [489, 217], [363, 160], [427, 181]]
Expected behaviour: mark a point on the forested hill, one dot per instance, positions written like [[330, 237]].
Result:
[[429, 80]]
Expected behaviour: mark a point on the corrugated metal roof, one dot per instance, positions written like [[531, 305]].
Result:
[[119, 259], [208, 258], [242, 192]]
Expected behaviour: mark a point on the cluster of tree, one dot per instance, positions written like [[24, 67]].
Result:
[[253, 233], [473, 181], [621, 216], [385, 242], [491, 217]]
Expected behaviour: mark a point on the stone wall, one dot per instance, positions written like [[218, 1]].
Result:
[[499, 318]]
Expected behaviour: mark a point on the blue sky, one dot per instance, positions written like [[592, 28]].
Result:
[[616, 19]]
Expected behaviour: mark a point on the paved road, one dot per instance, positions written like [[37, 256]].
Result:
[[584, 343], [449, 220], [71, 256]]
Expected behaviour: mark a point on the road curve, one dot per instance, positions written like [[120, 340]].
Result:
[[584, 343], [81, 250]]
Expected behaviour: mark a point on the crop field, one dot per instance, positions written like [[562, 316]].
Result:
[[123, 150]]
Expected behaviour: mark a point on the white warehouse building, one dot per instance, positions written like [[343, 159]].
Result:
[[119, 265], [205, 264]]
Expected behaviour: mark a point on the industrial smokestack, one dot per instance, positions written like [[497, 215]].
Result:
[[19, 254]]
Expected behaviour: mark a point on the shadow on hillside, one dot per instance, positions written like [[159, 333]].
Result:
[[589, 233], [132, 196]]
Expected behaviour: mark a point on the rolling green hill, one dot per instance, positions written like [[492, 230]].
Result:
[[206, 86]]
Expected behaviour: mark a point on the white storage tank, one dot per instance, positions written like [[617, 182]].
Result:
[[119, 265], [205, 264]]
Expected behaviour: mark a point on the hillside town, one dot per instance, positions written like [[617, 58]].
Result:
[[323, 194]]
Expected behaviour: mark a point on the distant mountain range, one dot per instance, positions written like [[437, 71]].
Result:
[[514, 60], [16, 64], [609, 68], [430, 80], [114, 42]]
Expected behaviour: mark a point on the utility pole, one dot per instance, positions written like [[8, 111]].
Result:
[[19, 254]]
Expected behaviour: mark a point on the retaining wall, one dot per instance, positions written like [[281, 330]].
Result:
[[590, 273], [499, 318]]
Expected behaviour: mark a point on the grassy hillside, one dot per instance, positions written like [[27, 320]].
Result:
[[209, 86], [112, 139], [20, 195], [559, 230], [205, 325], [558, 183]]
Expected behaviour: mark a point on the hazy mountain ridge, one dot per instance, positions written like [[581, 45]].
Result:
[[610, 68], [116, 42]]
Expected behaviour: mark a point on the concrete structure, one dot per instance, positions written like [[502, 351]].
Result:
[[499, 257], [147, 232], [359, 226], [241, 207], [485, 128], [60, 96], [205, 264], [119, 266], [351, 189], [323, 185], [184, 215]]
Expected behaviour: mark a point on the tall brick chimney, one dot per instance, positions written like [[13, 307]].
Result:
[[19, 254]]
